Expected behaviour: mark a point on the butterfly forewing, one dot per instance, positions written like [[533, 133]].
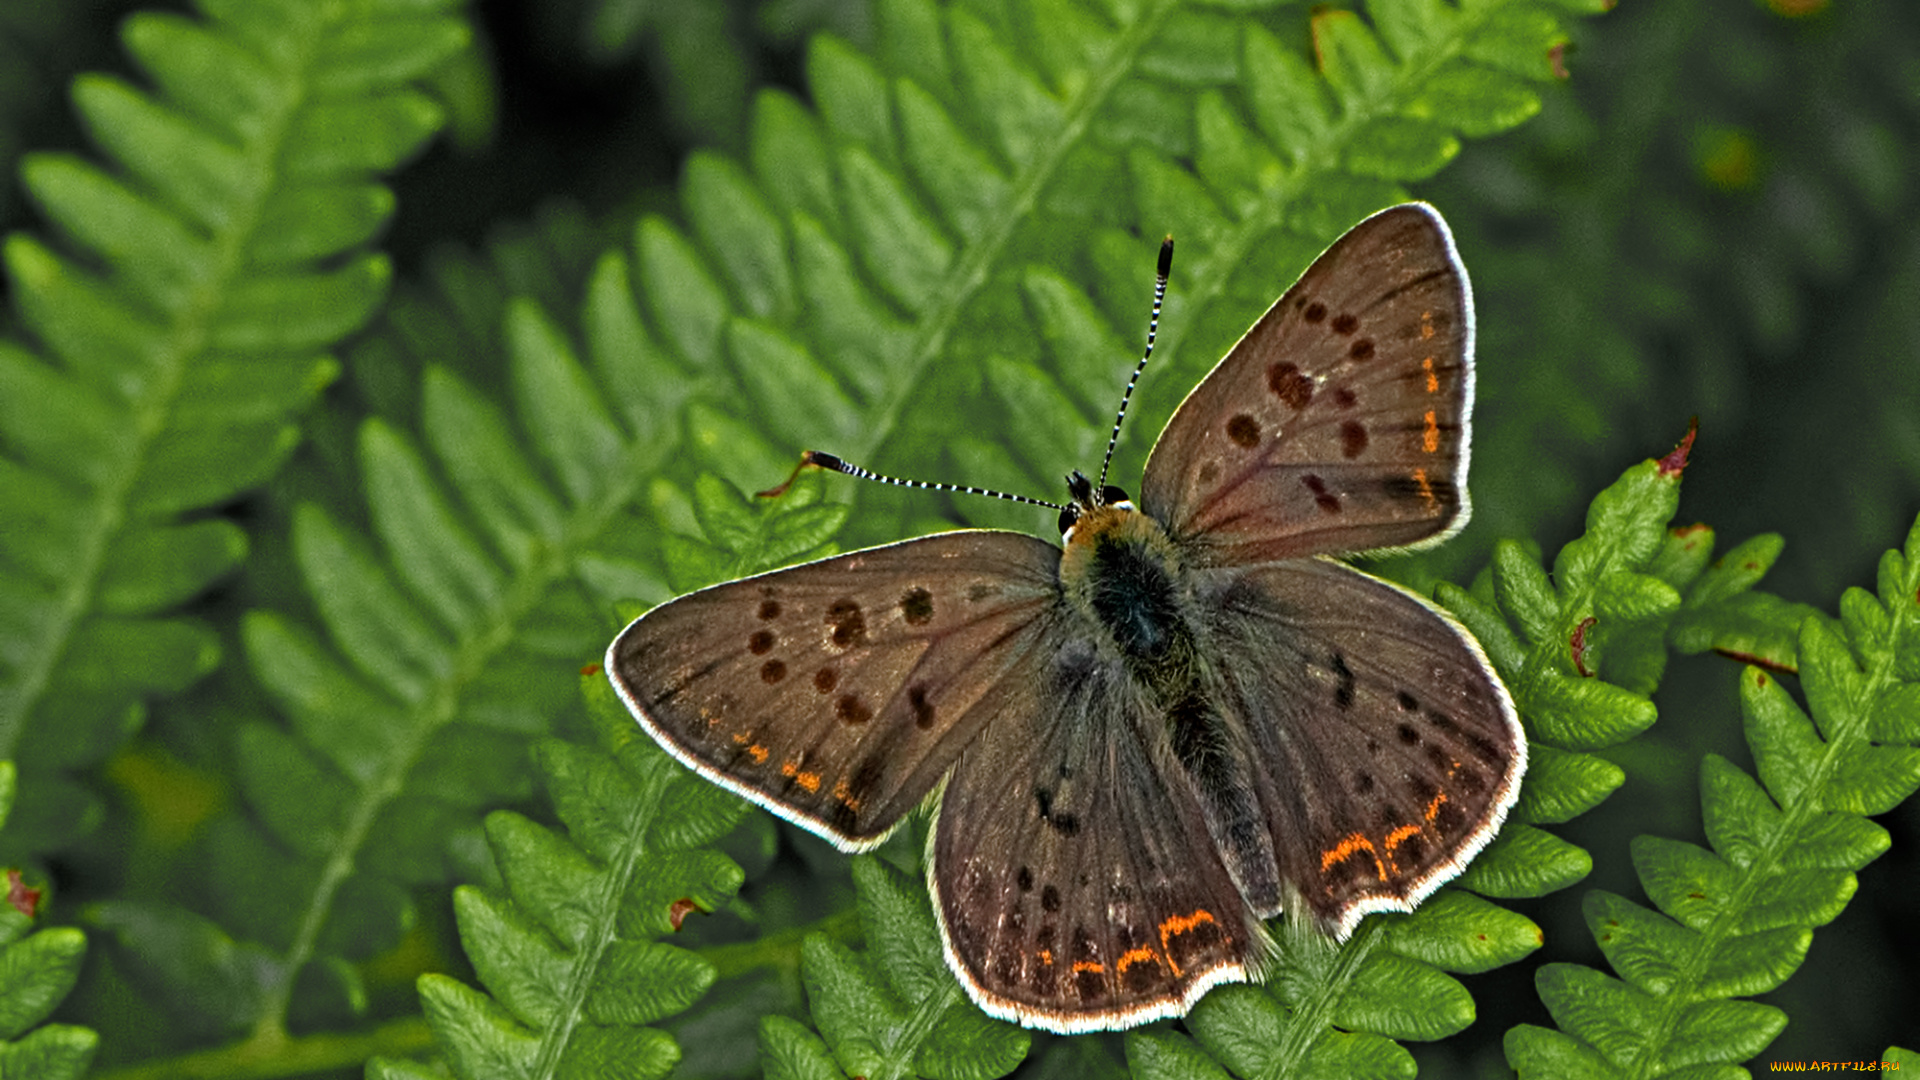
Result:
[[1339, 423], [838, 693], [1387, 750], [1075, 880]]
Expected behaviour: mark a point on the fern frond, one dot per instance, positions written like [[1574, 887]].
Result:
[[894, 1010], [37, 971], [568, 949], [1737, 920], [185, 318], [447, 638]]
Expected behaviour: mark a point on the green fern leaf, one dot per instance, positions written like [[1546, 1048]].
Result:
[[896, 1010], [37, 971], [209, 265], [566, 949], [1736, 921]]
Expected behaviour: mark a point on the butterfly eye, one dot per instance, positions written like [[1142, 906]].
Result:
[[1110, 495], [1068, 515]]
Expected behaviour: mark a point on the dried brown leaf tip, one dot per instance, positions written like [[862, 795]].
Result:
[[1579, 646], [1676, 463], [681, 908], [24, 900]]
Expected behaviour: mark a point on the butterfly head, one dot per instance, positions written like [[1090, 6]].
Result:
[[1088, 502]]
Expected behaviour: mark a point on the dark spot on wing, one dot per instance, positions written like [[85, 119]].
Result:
[[760, 642], [772, 672], [922, 708], [851, 710], [1362, 349], [1089, 968], [1049, 899], [1326, 501], [917, 606], [1363, 782], [1408, 701], [1344, 323], [1486, 750], [1342, 693], [1344, 397], [769, 609], [1289, 385], [1470, 781], [1315, 312], [1412, 851], [825, 680], [1244, 430], [1062, 823], [1023, 877], [1353, 438], [1408, 735], [849, 623], [1441, 720]]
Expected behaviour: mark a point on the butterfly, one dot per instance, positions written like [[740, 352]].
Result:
[[1190, 719]]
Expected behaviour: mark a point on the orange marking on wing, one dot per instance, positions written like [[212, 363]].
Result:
[[1430, 441], [1426, 488], [808, 780], [1046, 957], [1433, 380], [1354, 842], [743, 738], [1180, 924], [1433, 808], [1132, 957], [1080, 966], [1426, 325], [759, 754], [1400, 836], [845, 794]]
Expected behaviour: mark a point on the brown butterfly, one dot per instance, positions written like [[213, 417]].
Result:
[[1191, 719]]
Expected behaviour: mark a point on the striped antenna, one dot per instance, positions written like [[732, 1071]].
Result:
[[1153, 324], [821, 460]]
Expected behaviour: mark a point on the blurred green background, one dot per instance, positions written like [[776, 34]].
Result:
[[1713, 216]]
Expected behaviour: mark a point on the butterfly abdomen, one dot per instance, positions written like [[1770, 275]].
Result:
[[1124, 573]]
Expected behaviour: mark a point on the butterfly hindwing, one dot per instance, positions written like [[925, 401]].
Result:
[[1073, 873], [1339, 423], [838, 693], [1387, 751]]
